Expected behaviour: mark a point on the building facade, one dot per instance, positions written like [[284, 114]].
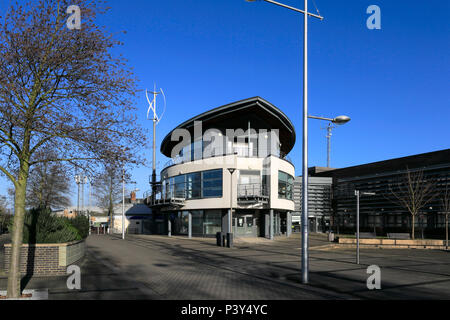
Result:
[[319, 203], [382, 213], [232, 157]]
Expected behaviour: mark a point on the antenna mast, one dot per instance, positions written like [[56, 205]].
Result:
[[156, 120], [329, 135]]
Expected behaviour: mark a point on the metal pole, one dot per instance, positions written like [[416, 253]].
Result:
[[154, 160], [230, 218], [123, 204], [305, 256], [357, 226], [329, 146], [82, 194], [78, 193], [90, 195]]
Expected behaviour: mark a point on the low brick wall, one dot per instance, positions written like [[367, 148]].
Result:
[[395, 244], [46, 259]]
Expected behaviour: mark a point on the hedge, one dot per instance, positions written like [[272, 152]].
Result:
[[41, 226]]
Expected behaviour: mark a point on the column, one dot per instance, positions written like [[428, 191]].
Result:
[[225, 222], [169, 226], [288, 224], [190, 225], [317, 224], [271, 225]]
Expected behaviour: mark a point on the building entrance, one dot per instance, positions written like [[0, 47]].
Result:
[[246, 226]]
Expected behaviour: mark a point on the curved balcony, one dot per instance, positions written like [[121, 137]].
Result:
[[171, 199], [252, 193], [244, 153]]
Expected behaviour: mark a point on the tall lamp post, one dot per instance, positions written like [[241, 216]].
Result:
[[230, 216], [341, 120], [358, 194], [123, 192], [78, 181], [305, 254]]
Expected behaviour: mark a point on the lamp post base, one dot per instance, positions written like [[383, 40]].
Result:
[[229, 240]]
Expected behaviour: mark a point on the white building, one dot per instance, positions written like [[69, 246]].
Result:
[[197, 189]]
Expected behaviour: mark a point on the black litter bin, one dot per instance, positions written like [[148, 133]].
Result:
[[219, 238]]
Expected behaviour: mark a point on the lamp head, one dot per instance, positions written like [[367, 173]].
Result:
[[341, 120]]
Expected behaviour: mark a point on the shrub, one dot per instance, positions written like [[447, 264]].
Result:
[[81, 223], [41, 226]]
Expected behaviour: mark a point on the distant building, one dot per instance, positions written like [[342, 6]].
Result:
[[137, 216], [379, 213], [319, 203]]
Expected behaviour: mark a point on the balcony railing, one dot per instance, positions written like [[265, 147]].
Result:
[[240, 152], [252, 193], [170, 199]]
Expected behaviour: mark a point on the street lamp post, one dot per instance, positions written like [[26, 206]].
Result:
[[123, 203], [230, 216], [78, 181], [358, 194], [341, 120], [305, 255], [123, 192]]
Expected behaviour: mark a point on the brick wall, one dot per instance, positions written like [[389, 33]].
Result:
[[46, 259]]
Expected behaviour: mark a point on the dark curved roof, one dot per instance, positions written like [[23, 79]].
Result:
[[261, 114]]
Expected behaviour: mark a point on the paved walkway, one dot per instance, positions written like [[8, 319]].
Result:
[[181, 268], [158, 267], [196, 269]]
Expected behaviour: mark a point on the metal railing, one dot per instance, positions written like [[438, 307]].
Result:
[[240, 152], [252, 190], [170, 198]]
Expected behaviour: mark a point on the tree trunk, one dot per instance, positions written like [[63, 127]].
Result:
[[14, 276], [413, 226]]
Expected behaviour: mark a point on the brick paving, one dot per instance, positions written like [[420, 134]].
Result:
[[181, 268], [158, 267]]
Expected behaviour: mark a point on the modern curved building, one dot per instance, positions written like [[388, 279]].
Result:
[[234, 156]]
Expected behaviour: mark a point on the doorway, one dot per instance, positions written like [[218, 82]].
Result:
[[246, 226]]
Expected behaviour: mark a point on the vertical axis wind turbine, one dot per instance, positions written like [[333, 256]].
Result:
[[156, 120]]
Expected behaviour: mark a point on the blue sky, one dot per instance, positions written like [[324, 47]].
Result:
[[393, 82]]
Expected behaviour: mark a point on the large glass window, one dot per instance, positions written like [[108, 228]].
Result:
[[181, 223], [194, 185], [212, 184], [180, 186], [213, 222], [197, 222], [285, 185], [169, 188]]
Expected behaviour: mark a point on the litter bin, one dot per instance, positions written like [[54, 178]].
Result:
[[330, 236], [219, 238]]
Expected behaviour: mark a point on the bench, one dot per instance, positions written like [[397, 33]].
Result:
[[367, 235], [400, 236]]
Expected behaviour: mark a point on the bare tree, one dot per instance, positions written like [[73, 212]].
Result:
[[3, 214], [413, 192], [61, 88], [49, 184], [108, 188], [445, 201]]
